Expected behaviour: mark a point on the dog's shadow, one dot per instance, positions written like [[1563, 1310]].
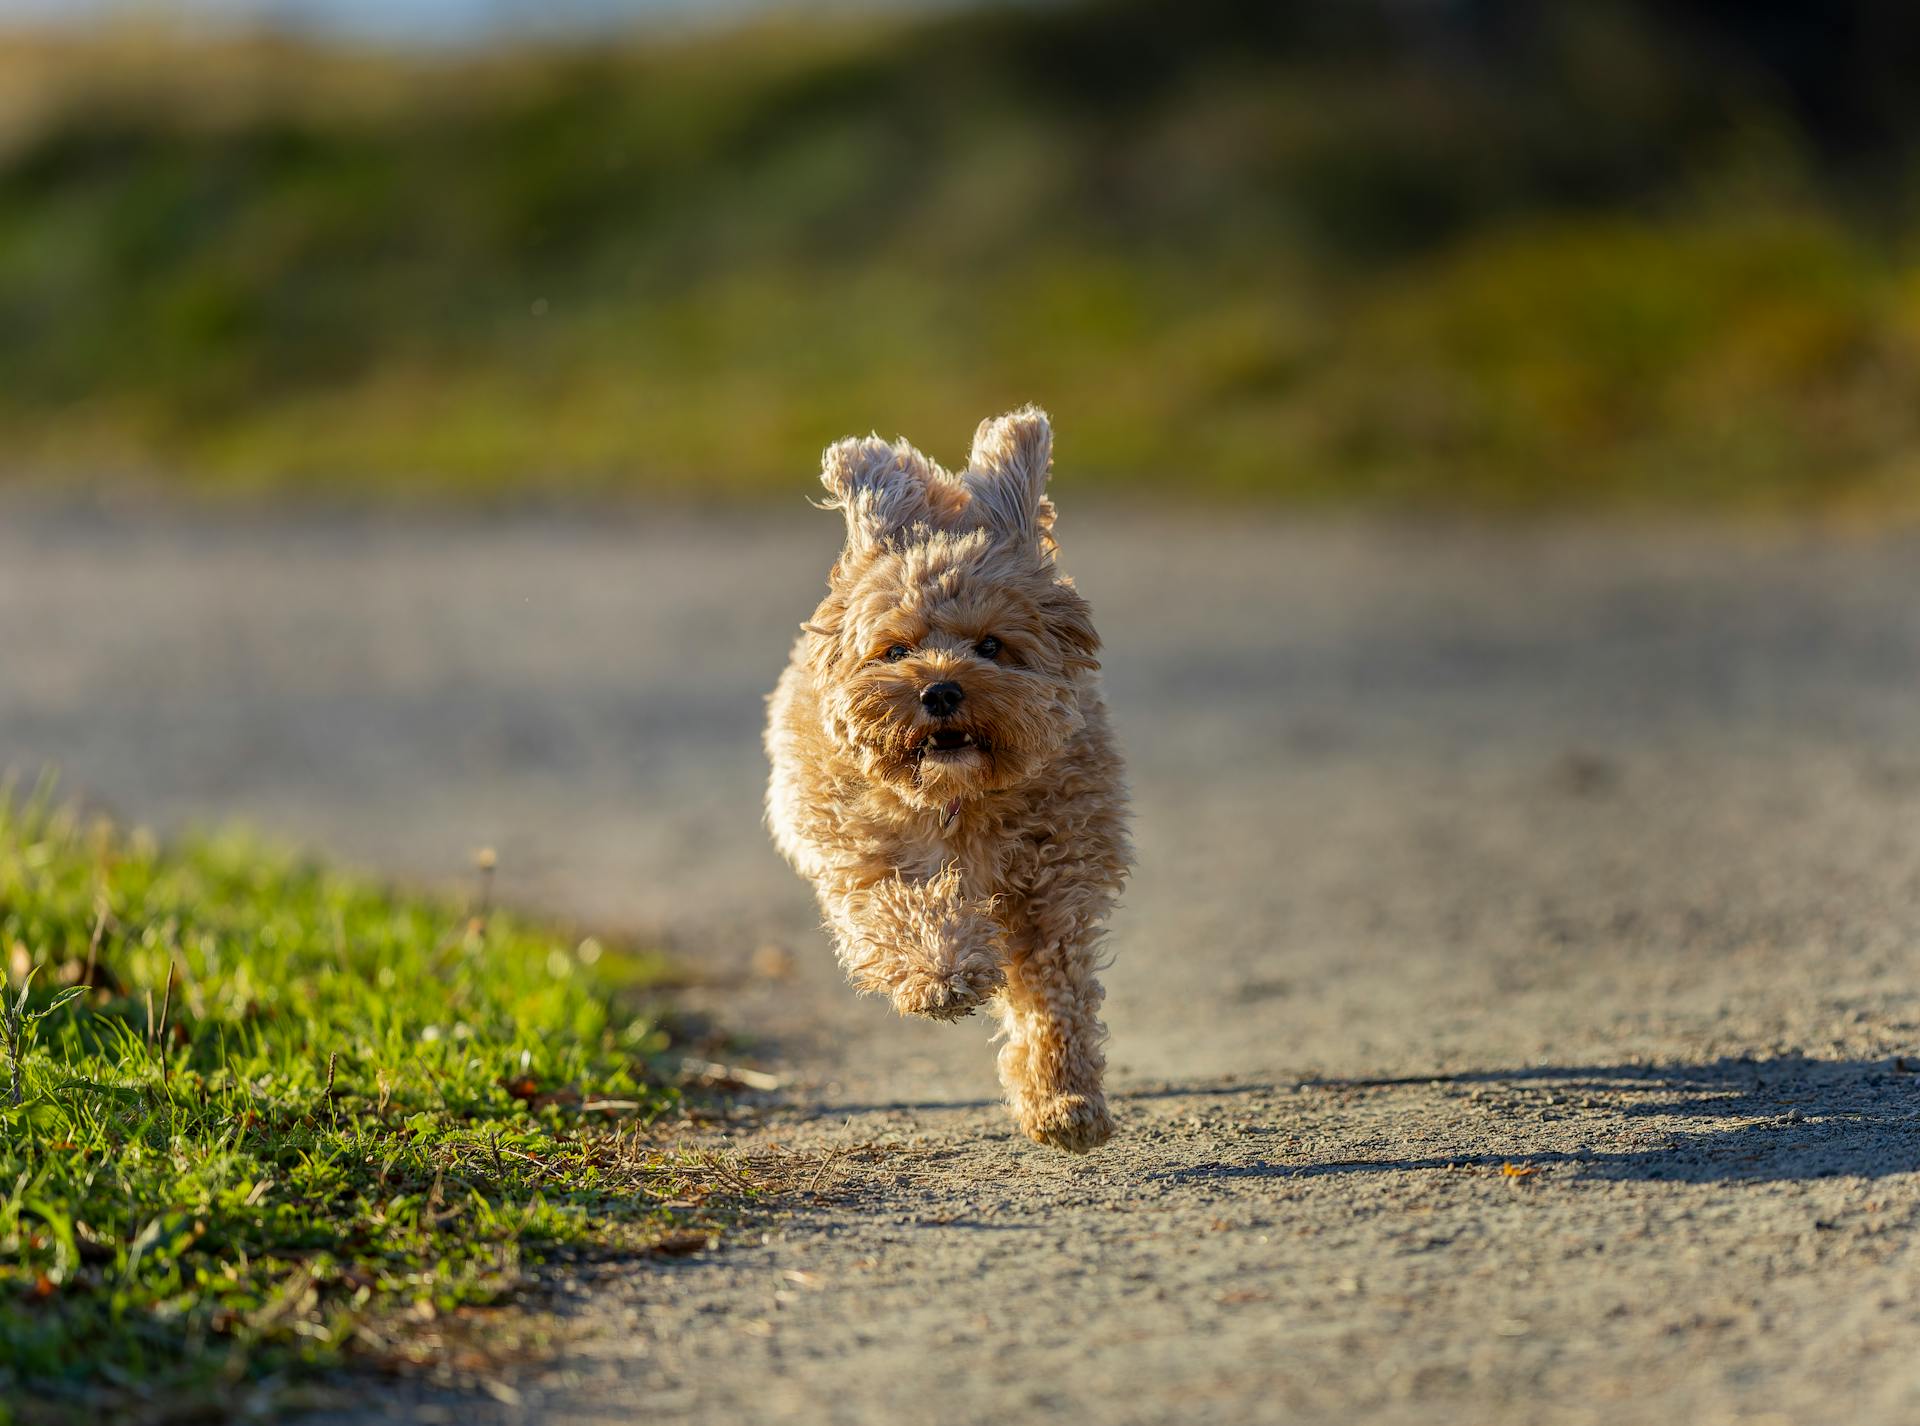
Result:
[[1216, 1090], [1791, 1118]]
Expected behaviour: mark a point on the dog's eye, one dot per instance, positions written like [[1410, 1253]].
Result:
[[988, 648], [896, 652]]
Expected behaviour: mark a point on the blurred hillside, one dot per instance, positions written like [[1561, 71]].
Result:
[[1387, 252]]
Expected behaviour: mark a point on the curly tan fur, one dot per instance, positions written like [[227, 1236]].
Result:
[[967, 856]]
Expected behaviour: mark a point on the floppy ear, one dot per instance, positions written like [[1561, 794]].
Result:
[[1070, 619], [882, 488], [1007, 475]]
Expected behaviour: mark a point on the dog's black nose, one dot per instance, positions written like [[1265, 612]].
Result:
[[940, 699]]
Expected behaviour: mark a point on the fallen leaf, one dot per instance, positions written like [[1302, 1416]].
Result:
[[1240, 1297]]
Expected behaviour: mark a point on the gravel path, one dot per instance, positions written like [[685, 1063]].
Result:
[[1593, 854]]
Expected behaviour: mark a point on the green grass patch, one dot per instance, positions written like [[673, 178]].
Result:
[[258, 1119]]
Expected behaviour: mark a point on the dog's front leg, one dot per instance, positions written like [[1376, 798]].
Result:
[[922, 942], [1051, 1064]]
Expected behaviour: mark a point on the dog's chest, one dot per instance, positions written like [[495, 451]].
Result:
[[933, 848]]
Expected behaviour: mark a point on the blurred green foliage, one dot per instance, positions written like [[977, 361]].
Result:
[[1473, 256]]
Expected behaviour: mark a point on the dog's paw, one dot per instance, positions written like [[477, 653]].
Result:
[[1077, 1123], [928, 947], [950, 996]]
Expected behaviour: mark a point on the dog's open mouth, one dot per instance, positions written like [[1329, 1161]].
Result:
[[953, 740]]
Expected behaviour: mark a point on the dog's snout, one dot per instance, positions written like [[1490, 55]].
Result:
[[940, 699]]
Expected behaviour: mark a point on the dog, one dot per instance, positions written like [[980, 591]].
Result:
[[943, 769]]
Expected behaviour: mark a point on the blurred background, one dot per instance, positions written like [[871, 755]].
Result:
[[1436, 255]]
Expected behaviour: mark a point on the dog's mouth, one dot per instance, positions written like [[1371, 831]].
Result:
[[943, 742]]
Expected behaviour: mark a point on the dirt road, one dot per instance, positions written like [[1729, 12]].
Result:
[[1515, 1014]]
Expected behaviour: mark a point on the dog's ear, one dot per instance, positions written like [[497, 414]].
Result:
[[882, 488], [1006, 475], [1070, 619]]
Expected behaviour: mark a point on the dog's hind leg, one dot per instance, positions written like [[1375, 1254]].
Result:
[[924, 943], [1051, 1064]]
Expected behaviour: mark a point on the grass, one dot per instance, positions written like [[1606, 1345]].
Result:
[[1570, 254], [265, 1119]]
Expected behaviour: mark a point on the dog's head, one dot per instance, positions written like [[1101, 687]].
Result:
[[949, 651]]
